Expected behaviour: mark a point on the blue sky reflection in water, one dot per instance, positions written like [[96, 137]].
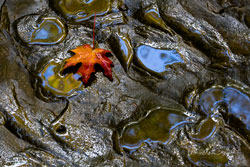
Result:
[[124, 47], [56, 84], [49, 32], [238, 104], [157, 60], [46, 32]]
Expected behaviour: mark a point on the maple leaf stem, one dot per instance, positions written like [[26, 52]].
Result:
[[94, 32]]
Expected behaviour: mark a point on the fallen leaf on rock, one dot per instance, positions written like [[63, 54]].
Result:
[[88, 58]]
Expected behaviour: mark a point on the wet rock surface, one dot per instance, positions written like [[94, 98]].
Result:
[[180, 94]]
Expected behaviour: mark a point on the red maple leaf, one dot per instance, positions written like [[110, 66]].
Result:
[[88, 57]]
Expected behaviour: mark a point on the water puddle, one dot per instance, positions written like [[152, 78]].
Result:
[[231, 102], [126, 48], [152, 16], [210, 99], [155, 127], [157, 60], [206, 129], [123, 49], [209, 159], [50, 31], [57, 84], [238, 103], [42, 30], [82, 10]]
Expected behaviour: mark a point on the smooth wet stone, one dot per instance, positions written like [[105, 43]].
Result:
[[10, 144], [157, 60], [81, 10], [59, 85], [111, 20], [42, 30], [155, 127], [203, 36], [20, 8], [229, 28], [209, 159]]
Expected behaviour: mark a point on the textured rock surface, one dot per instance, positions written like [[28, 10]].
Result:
[[190, 57]]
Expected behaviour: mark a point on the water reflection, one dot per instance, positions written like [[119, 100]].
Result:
[[152, 16], [238, 103], [206, 129], [227, 53], [210, 99], [56, 84], [124, 45], [157, 60], [82, 10], [153, 128], [126, 55], [209, 159], [196, 31], [49, 31]]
